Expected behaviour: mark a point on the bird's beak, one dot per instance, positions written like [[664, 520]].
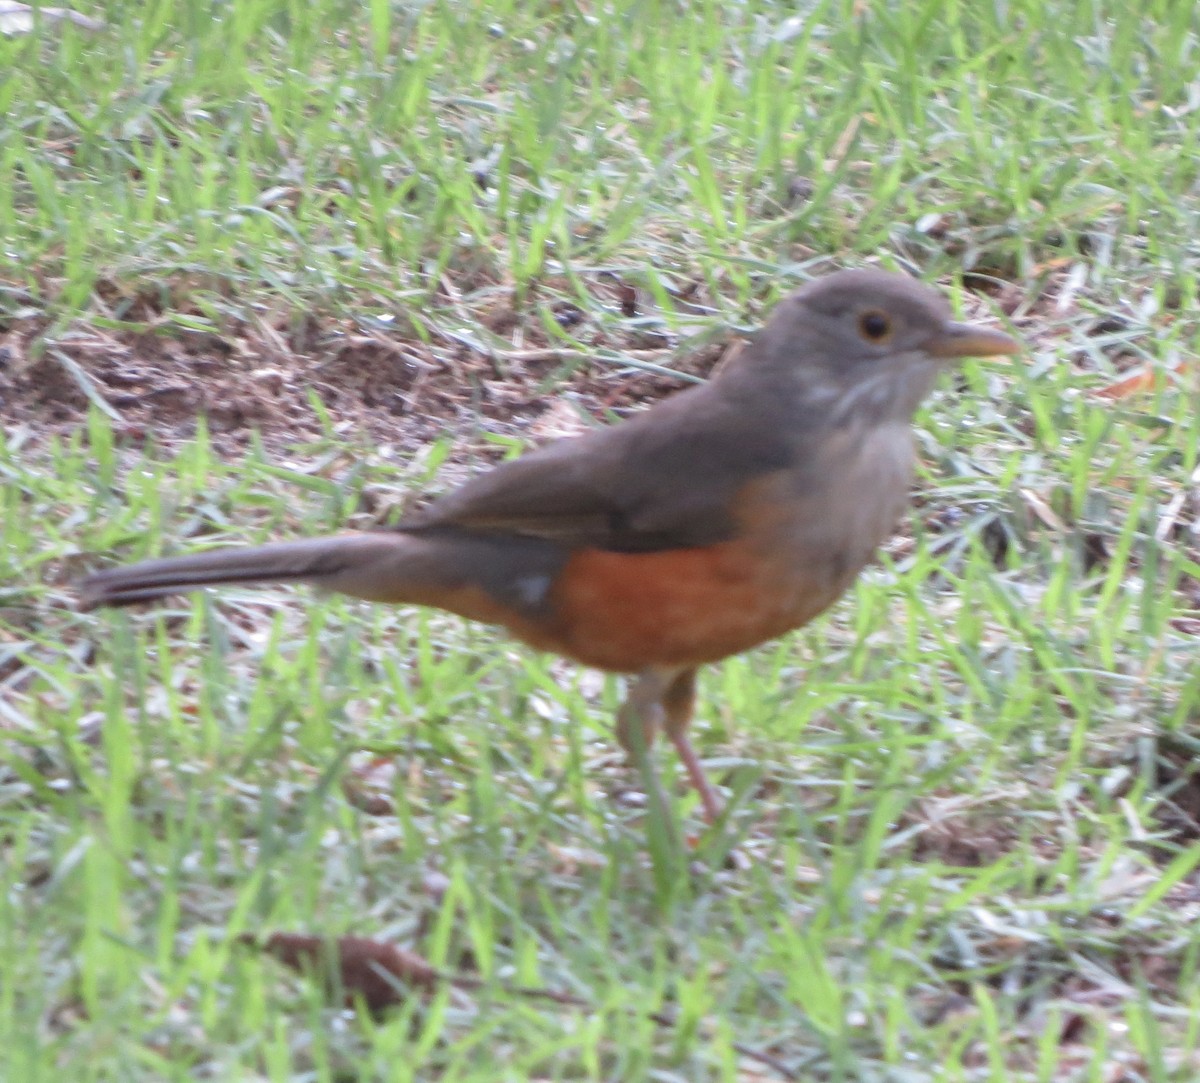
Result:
[[954, 340]]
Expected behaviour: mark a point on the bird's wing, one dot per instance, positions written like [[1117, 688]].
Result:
[[668, 478]]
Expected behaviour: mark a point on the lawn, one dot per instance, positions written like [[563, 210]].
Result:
[[272, 267]]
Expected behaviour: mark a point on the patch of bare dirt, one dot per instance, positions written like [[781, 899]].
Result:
[[394, 385]]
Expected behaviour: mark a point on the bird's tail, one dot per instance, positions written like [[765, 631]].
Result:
[[338, 562]]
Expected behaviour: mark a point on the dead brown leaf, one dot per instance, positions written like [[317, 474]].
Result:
[[1143, 378], [355, 966], [368, 788], [375, 973]]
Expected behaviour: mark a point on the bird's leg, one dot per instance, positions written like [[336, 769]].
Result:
[[641, 715], [638, 723], [679, 702]]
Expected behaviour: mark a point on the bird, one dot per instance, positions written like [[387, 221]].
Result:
[[717, 519]]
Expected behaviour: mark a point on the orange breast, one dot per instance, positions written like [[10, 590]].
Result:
[[626, 611]]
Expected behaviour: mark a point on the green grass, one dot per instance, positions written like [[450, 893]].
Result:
[[966, 794]]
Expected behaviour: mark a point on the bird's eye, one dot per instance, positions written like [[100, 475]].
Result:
[[874, 326]]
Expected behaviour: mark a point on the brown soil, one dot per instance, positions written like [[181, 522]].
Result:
[[375, 386]]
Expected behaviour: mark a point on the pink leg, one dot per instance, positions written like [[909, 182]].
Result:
[[679, 703]]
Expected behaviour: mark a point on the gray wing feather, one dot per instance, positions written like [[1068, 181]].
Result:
[[665, 479]]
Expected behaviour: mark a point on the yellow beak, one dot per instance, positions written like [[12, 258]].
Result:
[[966, 340]]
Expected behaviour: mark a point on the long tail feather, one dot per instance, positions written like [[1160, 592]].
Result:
[[311, 560]]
